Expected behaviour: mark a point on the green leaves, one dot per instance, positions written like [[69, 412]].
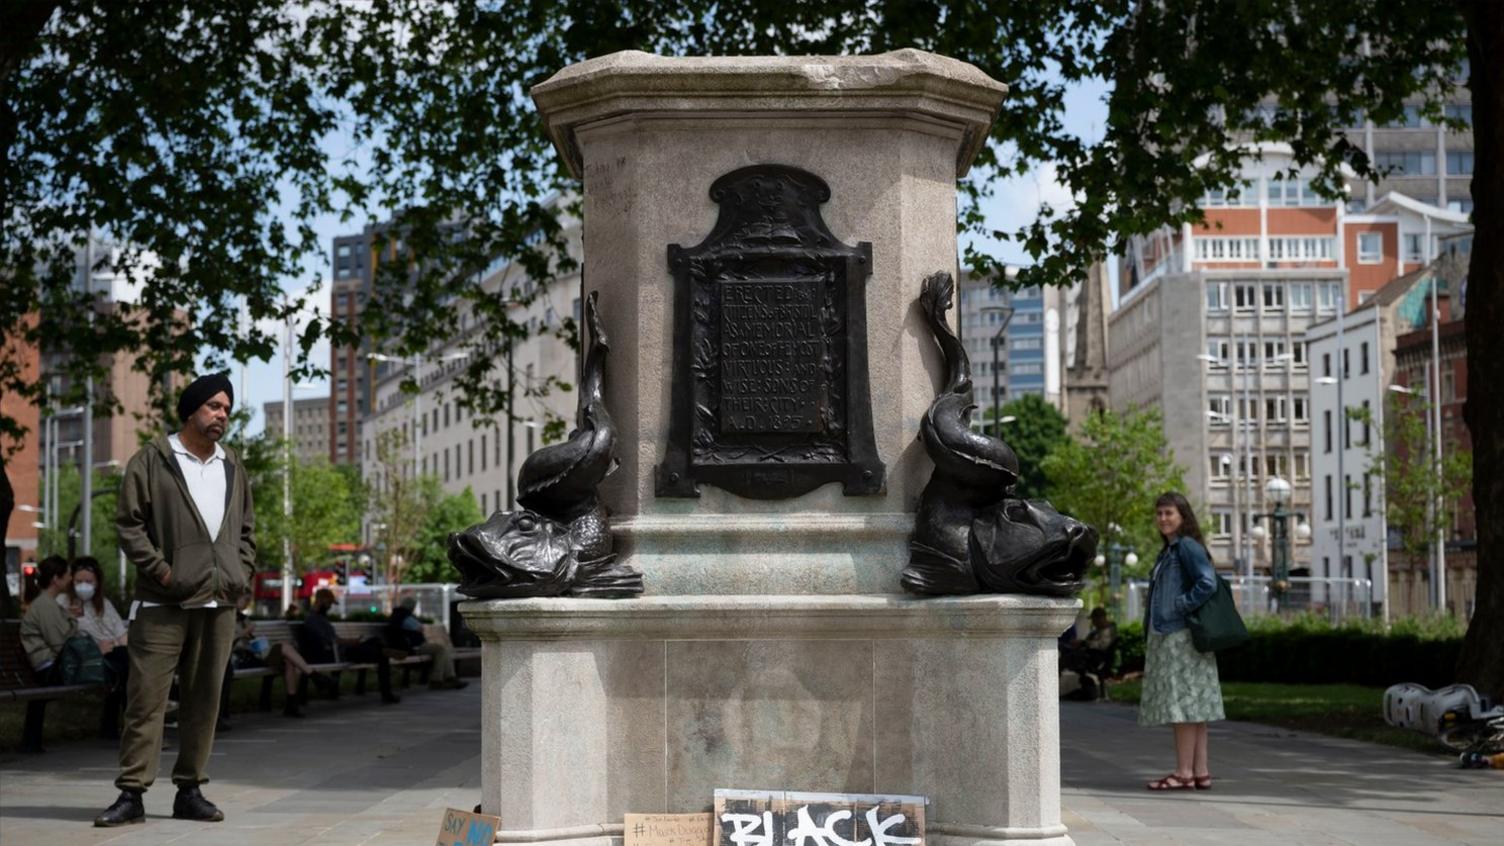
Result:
[[1110, 477]]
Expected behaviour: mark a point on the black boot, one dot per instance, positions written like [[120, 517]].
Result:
[[191, 805], [125, 811]]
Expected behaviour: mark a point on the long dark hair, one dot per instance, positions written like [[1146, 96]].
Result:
[[1189, 528], [86, 562]]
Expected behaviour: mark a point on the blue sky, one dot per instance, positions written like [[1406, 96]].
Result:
[[1012, 205]]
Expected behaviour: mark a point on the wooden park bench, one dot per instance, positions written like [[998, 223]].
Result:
[[19, 684]]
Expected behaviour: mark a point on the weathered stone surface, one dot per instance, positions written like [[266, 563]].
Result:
[[597, 707], [648, 136]]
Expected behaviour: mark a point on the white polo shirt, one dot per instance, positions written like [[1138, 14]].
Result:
[[206, 485]]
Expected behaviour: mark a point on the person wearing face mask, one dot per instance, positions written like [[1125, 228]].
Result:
[[50, 620], [99, 619]]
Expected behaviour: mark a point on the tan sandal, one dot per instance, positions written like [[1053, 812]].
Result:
[[1172, 782]]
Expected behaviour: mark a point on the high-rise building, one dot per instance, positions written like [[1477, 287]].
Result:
[[310, 426], [1211, 323], [350, 369], [1019, 366], [1430, 163], [439, 438]]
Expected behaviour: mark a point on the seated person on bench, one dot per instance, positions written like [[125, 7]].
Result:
[[320, 644], [1094, 653], [404, 632], [50, 620]]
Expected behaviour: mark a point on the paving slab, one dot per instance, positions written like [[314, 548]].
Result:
[[357, 773]]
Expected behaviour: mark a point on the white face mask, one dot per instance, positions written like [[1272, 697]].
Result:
[[64, 600], [85, 591]]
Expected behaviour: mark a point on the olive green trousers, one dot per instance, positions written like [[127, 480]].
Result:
[[193, 644]]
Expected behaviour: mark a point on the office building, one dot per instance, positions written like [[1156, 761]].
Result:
[[350, 369], [1210, 329], [1020, 366], [439, 438], [310, 426]]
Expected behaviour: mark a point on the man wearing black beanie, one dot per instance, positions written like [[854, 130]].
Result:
[[184, 519]]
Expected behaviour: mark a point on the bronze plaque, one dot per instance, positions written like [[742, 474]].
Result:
[[770, 394]]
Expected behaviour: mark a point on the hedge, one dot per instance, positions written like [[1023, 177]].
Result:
[[1303, 651]]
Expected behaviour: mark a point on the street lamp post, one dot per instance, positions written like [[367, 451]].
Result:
[[1278, 491], [997, 365]]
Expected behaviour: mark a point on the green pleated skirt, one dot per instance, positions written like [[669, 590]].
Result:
[[1180, 684]]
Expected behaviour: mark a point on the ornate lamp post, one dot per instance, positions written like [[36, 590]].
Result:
[[1278, 491], [1115, 559]]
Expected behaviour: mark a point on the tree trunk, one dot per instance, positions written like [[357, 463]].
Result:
[[1482, 661]]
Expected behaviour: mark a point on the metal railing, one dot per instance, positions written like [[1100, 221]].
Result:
[[434, 599], [1339, 599]]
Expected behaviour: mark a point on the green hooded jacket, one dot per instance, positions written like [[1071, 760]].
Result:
[[161, 532]]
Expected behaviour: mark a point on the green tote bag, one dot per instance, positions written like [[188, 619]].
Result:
[[1216, 626]]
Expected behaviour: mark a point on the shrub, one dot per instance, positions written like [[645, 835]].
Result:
[[1306, 649]]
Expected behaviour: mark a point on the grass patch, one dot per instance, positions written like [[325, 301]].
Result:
[[1338, 710]]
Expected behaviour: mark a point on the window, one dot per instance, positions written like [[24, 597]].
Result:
[[1326, 365], [1328, 497], [1248, 410], [483, 458], [1292, 192], [1367, 424], [1347, 496], [1219, 409], [470, 461], [1347, 431], [1248, 354], [1273, 352], [343, 251], [446, 465], [1212, 248], [1462, 112], [1274, 464], [1413, 244], [1326, 432], [1300, 296], [1347, 368], [1027, 369], [1302, 465], [1217, 348], [1216, 296], [343, 273], [1274, 296], [1363, 357], [1221, 524], [1245, 297], [1274, 409], [1299, 410], [1406, 163], [1026, 343], [1367, 495], [1459, 164], [1310, 248], [1298, 354], [435, 420], [1221, 466], [1370, 247], [483, 498], [1328, 294], [1229, 197]]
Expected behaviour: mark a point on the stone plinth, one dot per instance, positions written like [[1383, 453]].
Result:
[[596, 708], [648, 135]]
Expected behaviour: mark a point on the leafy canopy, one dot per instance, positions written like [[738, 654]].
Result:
[[209, 138], [1110, 477]]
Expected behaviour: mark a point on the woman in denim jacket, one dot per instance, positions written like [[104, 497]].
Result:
[[1180, 684]]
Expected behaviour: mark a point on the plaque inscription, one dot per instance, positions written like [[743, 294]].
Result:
[[771, 348], [770, 394]]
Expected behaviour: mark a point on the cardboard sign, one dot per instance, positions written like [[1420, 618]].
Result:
[[667, 829], [462, 828], [781, 818]]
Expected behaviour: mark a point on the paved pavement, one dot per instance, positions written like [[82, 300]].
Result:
[[356, 773]]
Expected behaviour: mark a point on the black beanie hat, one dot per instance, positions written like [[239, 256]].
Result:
[[198, 393]]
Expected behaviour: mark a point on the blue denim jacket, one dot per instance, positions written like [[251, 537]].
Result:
[[1183, 579]]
